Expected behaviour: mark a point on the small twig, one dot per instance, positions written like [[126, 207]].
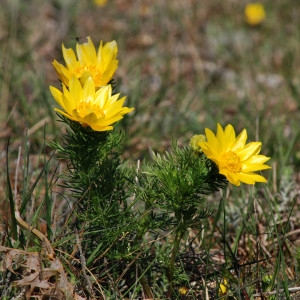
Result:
[[89, 271], [293, 290], [111, 280], [105, 251], [127, 268], [83, 266], [147, 293], [42, 237], [206, 289], [53, 227], [38, 125], [54, 208]]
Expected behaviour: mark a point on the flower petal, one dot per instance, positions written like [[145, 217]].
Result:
[[233, 178], [65, 114], [251, 178], [76, 93], [221, 138], [86, 52], [212, 139], [249, 150], [69, 57], [257, 159], [57, 96], [230, 136], [240, 141], [254, 167], [88, 90]]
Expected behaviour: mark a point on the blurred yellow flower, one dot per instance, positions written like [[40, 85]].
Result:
[[223, 288], [195, 142], [236, 159], [183, 290], [254, 13], [98, 109], [100, 65], [100, 2]]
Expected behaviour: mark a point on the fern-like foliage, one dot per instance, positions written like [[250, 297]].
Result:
[[174, 186]]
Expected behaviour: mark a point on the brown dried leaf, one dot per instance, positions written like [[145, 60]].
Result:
[[34, 281], [35, 277]]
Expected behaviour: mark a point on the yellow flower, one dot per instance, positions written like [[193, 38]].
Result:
[[236, 159], [223, 288], [100, 65], [100, 2], [97, 109], [183, 291], [254, 13]]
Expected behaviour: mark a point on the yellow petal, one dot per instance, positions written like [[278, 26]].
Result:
[[254, 167], [229, 136], [249, 150], [251, 178], [65, 114], [69, 57], [107, 55], [257, 159], [240, 141], [76, 91], [86, 52], [221, 138], [89, 90], [114, 108], [233, 178], [211, 152], [57, 96], [211, 139], [97, 127]]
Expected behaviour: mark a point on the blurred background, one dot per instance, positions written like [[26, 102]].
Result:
[[183, 65]]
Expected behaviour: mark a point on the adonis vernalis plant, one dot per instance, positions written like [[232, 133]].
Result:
[[169, 192], [127, 223]]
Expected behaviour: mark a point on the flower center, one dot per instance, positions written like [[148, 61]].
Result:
[[231, 162], [89, 71], [85, 108]]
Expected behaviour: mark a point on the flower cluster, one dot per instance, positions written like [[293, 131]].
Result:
[[87, 98], [86, 95]]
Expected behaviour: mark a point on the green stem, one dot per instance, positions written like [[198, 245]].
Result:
[[178, 237]]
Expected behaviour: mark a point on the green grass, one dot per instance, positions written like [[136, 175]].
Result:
[[184, 66]]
